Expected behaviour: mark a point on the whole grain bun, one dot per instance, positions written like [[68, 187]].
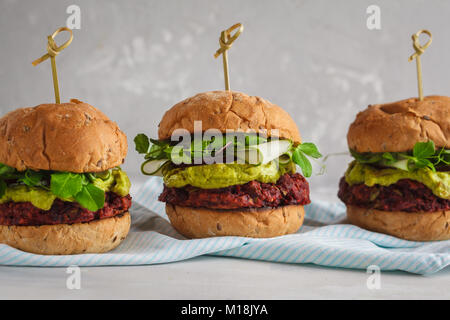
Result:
[[397, 126], [74, 137], [415, 226], [91, 237], [224, 110], [254, 223]]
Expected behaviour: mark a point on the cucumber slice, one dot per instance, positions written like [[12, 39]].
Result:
[[401, 164], [265, 152], [153, 167]]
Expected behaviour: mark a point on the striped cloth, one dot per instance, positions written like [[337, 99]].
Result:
[[322, 240]]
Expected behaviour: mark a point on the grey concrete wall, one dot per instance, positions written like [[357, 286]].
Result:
[[317, 59]]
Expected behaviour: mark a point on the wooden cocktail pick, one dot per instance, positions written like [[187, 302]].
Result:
[[52, 51], [419, 50], [225, 41]]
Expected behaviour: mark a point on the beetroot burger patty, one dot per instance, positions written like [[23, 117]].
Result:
[[404, 195], [289, 189], [61, 212]]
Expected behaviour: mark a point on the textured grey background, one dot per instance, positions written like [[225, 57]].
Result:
[[316, 59]]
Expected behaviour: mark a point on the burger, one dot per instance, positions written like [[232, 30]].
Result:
[[228, 162], [399, 180], [61, 188]]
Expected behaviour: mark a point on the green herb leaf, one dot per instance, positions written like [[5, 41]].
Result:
[[207, 147], [366, 157], [423, 155], [389, 157], [32, 178], [422, 163], [159, 142], [300, 159], [7, 172], [424, 150], [310, 149], [66, 184], [141, 142], [4, 169], [91, 197]]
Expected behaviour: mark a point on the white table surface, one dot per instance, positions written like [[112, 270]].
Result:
[[209, 277]]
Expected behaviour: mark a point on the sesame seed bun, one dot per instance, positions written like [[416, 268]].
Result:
[[415, 226], [73, 137], [91, 237], [227, 110], [254, 223], [397, 126]]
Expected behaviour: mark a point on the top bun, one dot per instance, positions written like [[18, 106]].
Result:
[[397, 126], [227, 110], [73, 137]]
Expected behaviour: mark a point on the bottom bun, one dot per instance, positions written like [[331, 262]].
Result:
[[416, 226], [91, 237], [254, 223]]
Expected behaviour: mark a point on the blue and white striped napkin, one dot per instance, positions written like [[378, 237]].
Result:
[[321, 240]]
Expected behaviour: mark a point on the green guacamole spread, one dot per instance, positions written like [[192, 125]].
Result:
[[221, 175], [438, 182], [117, 182]]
